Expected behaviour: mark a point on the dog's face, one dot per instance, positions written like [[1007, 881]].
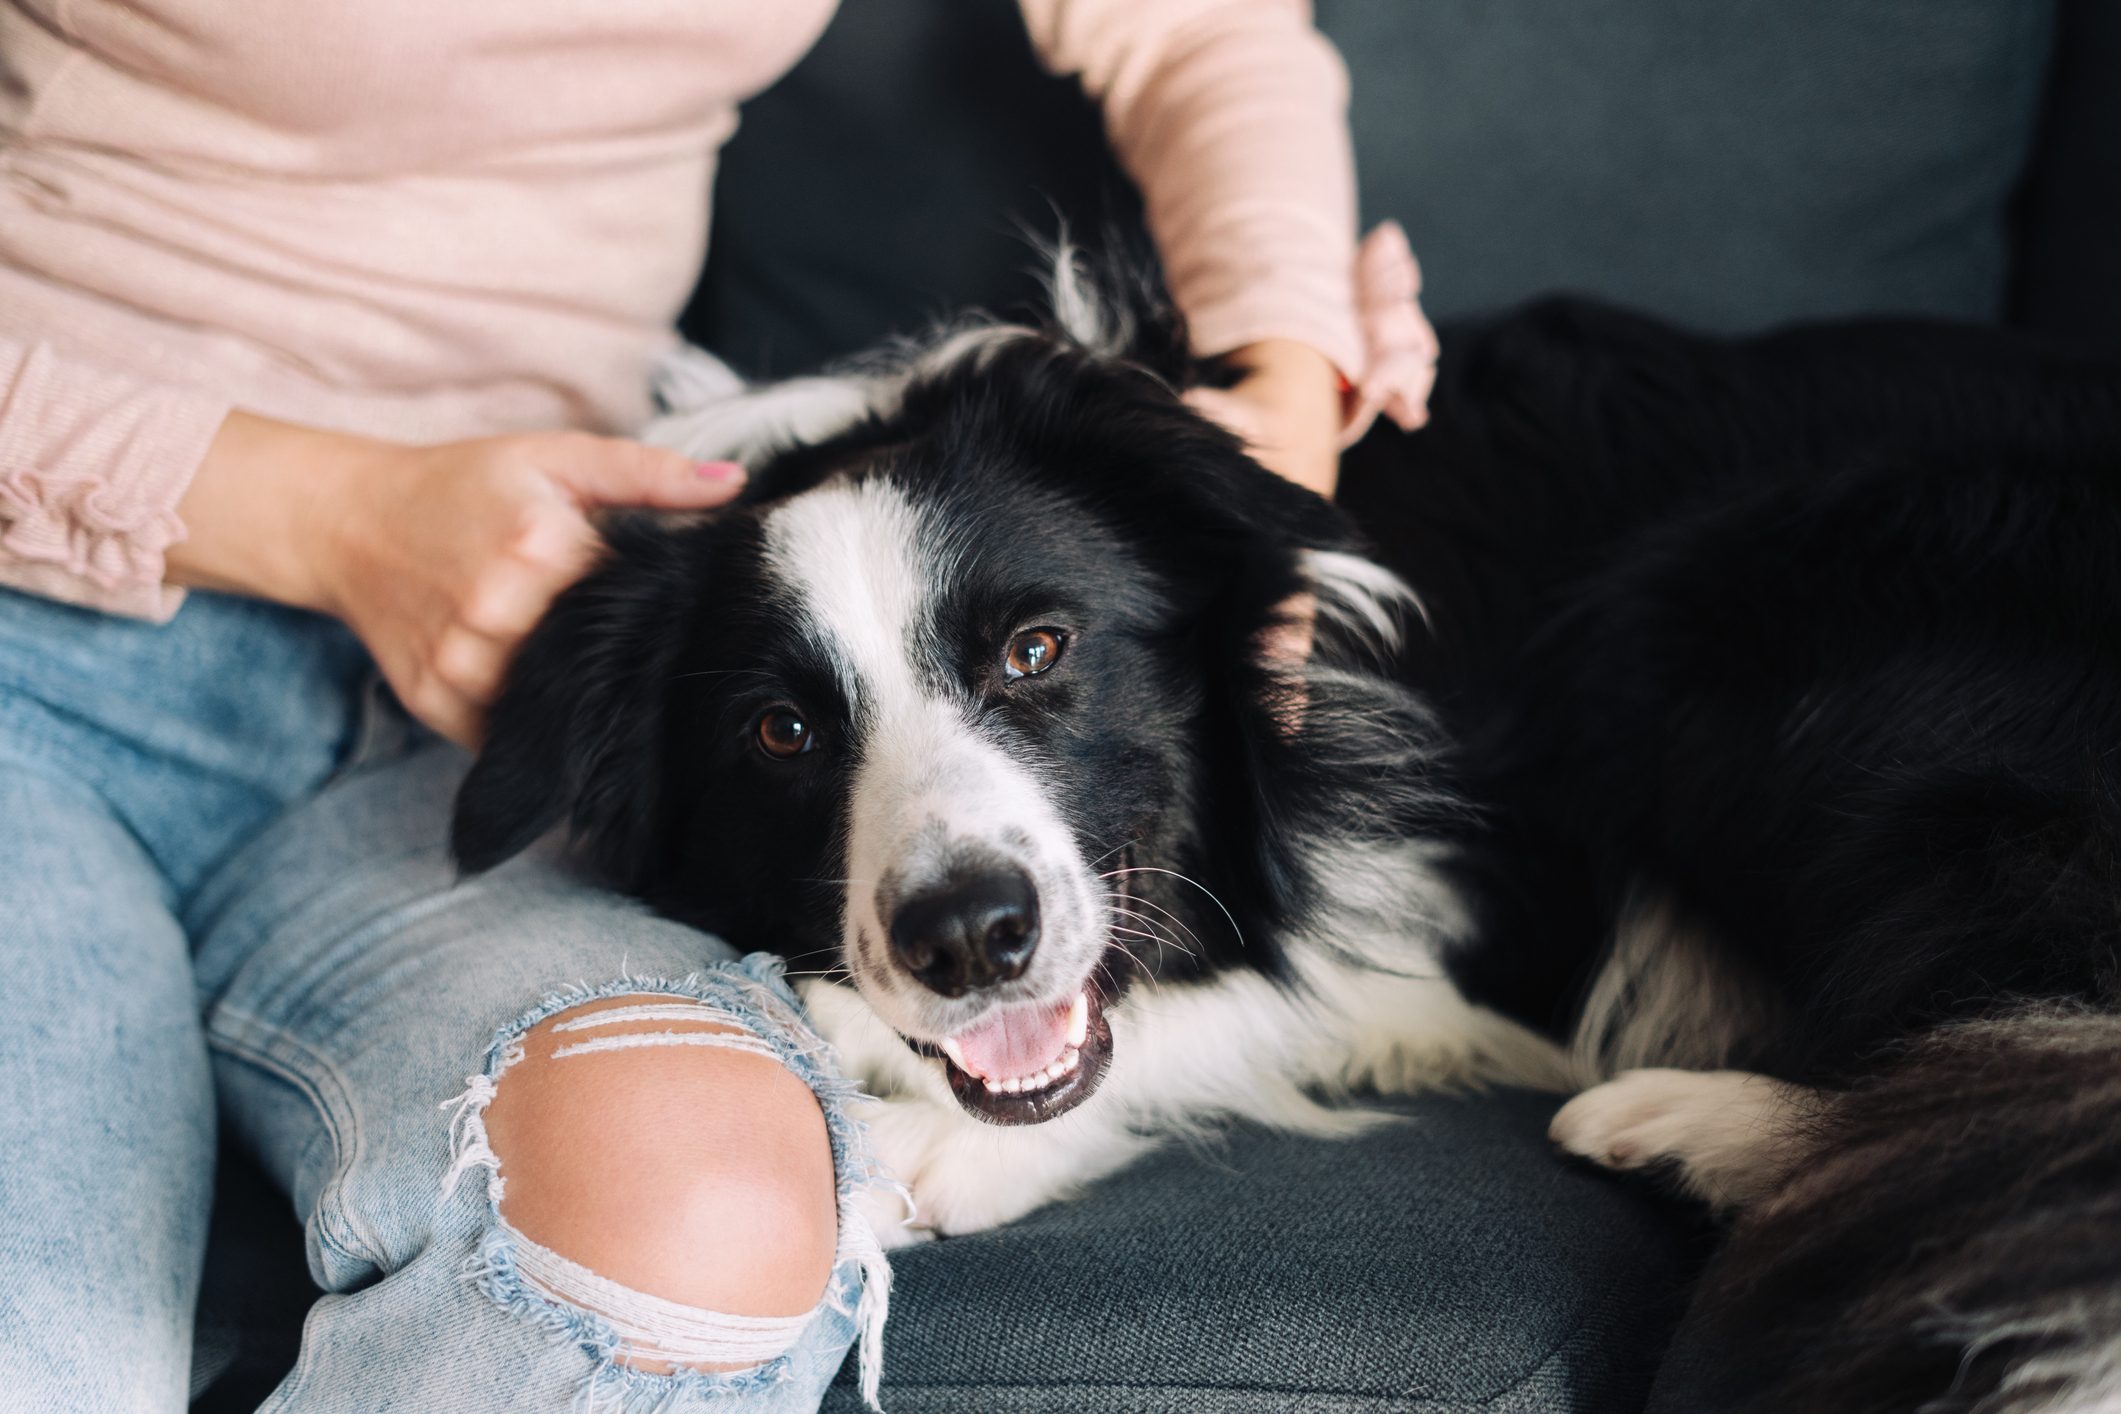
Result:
[[939, 704]]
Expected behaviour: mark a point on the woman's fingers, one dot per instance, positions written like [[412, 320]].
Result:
[[609, 471], [472, 665], [443, 558], [512, 591]]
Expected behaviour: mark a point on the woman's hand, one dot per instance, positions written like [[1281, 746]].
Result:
[[1287, 407], [440, 558]]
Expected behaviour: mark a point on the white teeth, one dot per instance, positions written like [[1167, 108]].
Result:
[[1079, 1019], [1067, 1064], [950, 1048]]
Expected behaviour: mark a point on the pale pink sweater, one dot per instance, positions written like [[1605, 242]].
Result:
[[430, 221]]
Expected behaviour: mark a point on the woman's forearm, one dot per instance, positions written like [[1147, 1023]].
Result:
[[259, 507]]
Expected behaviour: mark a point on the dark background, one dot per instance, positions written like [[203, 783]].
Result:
[[1729, 164]]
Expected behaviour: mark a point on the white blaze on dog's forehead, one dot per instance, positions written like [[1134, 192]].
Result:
[[931, 787], [851, 554]]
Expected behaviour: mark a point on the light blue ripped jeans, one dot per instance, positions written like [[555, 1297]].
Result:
[[223, 882]]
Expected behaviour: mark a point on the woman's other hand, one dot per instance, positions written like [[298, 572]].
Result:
[[441, 558], [1287, 406]]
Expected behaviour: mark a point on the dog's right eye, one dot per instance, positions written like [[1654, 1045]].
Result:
[[1032, 652], [782, 733]]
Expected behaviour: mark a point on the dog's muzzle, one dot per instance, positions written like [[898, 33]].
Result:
[[1021, 1063]]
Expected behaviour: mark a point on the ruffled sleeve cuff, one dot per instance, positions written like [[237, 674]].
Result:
[[92, 466], [1399, 346]]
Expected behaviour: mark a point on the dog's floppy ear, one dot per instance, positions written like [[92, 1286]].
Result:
[[1310, 745], [577, 732]]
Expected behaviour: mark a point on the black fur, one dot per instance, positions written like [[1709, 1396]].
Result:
[[1818, 635], [1945, 1240]]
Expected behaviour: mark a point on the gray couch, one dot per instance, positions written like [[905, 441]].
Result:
[[1732, 164]]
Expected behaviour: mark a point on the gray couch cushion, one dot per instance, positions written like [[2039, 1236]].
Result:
[[1729, 164], [1443, 1265]]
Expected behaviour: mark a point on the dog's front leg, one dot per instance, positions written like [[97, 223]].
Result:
[[965, 1175]]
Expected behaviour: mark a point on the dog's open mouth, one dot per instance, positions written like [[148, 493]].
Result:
[[1028, 1064]]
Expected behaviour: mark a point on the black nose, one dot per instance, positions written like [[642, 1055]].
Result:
[[974, 931]]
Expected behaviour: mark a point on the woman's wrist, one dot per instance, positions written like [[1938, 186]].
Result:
[[1288, 405], [265, 507]]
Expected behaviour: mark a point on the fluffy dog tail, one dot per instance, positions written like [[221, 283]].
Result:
[[1948, 1240]]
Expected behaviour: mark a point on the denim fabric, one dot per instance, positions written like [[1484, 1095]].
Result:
[[132, 758], [1444, 1265], [192, 911]]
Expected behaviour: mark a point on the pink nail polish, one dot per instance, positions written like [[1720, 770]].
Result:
[[717, 471]]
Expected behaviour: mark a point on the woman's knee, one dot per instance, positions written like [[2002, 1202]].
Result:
[[639, 1145]]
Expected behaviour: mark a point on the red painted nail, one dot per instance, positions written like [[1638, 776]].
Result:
[[717, 471]]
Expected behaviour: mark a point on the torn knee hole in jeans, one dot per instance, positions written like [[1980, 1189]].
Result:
[[634, 1335], [653, 1334]]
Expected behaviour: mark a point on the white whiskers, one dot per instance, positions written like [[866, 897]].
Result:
[[1150, 869]]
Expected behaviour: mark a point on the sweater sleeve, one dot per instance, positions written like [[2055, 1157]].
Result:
[[1232, 117], [92, 465]]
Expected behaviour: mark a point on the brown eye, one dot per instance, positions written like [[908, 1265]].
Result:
[[1032, 652], [783, 733]]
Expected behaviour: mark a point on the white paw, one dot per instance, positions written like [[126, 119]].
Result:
[[954, 1170], [1723, 1130], [1634, 1120], [892, 1217]]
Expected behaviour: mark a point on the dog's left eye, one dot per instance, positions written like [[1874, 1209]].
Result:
[[782, 733], [1032, 652]]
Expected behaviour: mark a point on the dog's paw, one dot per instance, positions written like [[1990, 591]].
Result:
[[925, 1147], [892, 1216], [1636, 1119], [1723, 1135]]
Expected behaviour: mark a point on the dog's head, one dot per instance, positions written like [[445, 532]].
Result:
[[967, 698]]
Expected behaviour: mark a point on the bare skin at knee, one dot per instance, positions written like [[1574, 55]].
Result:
[[694, 1173]]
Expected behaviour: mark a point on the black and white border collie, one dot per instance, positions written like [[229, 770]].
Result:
[[968, 708], [1781, 680]]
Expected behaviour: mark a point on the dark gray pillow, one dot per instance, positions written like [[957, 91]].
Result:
[[2069, 239], [1731, 164]]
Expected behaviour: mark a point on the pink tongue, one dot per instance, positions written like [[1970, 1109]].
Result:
[[1016, 1043]]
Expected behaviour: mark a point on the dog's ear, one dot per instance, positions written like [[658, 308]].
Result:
[[1312, 749], [577, 732]]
